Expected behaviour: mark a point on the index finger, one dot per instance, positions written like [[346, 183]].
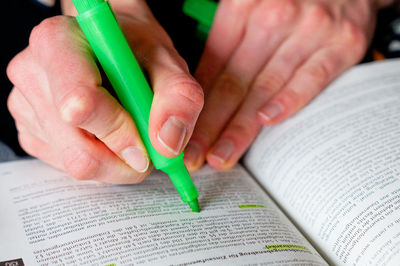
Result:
[[222, 40]]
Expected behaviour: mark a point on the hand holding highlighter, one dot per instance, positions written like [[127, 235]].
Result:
[[104, 35]]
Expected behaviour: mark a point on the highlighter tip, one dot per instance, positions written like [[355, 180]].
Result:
[[194, 205]]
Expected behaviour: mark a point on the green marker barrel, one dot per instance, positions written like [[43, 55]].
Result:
[[104, 35], [203, 11]]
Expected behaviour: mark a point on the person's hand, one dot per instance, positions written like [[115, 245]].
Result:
[[67, 118], [266, 59]]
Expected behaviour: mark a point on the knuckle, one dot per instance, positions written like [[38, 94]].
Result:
[[179, 83], [28, 142], [77, 107], [157, 52], [25, 144], [149, 52], [12, 104], [318, 16], [268, 85], [13, 70], [17, 66], [168, 56], [290, 58], [292, 99], [118, 132], [283, 9], [180, 61], [279, 13], [238, 5], [79, 164], [188, 90], [19, 108], [44, 34], [241, 131], [319, 73], [229, 85], [316, 77], [354, 37]]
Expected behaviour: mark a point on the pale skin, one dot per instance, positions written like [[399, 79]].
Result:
[[264, 60]]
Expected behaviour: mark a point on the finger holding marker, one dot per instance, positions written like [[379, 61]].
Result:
[[79, 153], [23, 113], [30, 84], [82, 102], [88, 133], [30, 133], [173, 124], [170, 125]]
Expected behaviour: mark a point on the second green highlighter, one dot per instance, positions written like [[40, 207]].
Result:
[[104, 35]]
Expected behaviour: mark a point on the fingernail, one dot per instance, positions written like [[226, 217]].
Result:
[[192, 154], [223, 150], [136, 158], [271, 111], [172, 135]]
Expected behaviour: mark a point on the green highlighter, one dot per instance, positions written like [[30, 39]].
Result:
[[101, 29], [203, 11]]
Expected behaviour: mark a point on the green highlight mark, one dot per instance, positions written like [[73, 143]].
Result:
[[150, 208], [285, 246], [113, 264], [251, 206]]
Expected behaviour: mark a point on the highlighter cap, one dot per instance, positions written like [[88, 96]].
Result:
[[85, 5]]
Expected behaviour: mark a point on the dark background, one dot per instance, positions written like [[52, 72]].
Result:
[[20, 16]]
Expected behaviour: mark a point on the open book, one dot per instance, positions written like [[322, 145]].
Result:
[[321, 188]]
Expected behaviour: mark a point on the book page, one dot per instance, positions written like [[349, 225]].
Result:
[[50, 219], [335, 166]]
